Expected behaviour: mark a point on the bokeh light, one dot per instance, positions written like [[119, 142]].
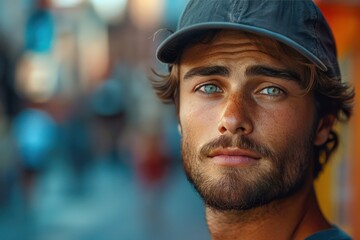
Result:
[[66, 3], [111, 11], [146, 14], [36, 77]]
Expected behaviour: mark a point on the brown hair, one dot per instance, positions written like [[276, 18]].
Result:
[[332, 97]]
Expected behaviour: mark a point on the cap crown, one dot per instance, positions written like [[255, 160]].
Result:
[[297, 23]]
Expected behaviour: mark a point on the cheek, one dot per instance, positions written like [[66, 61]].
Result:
[[197, 121], [285, 122]]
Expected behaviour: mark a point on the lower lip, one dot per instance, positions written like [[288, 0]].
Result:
[[227, 160]]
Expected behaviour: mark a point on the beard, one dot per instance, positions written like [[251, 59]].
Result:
[[278, 174]]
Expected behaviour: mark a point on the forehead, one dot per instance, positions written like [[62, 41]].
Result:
[[236, 36], [226, 44]]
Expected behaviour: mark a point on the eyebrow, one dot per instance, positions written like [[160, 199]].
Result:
[[207, 71], [257, 70], [262, 70]]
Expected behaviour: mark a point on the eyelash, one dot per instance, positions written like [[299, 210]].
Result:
[[219, 90], [281, 91], [198, 89]]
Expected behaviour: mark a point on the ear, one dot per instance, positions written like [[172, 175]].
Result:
[[323, 129], [179, 129]]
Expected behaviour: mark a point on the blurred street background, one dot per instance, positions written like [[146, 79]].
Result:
[[88, 152]]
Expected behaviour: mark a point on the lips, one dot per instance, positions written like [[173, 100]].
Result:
[[233, 152], [233, 156]]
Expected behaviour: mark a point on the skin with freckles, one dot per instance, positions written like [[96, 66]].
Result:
[[248, 134]]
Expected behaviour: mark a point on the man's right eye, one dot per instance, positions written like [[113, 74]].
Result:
[[209, 89]]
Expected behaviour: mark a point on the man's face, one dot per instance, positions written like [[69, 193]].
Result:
[[248, 127]]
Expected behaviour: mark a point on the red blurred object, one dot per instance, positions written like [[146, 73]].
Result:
[[44, 4], [344, 20]]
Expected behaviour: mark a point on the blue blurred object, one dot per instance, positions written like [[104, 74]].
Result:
[[34, 133], [173, 9], [108, 98], [39, 35]]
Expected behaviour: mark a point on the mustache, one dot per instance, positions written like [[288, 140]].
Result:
[[241, 142]]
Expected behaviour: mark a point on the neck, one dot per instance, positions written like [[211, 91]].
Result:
[[296, 217]]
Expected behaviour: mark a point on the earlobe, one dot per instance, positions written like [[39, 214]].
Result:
[[323, 129]]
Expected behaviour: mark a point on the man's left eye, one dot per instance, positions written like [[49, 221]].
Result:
[[272, 91]]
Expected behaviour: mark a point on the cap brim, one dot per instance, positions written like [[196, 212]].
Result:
[[169, 49]]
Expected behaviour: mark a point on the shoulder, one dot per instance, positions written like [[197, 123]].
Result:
[[334, 233]]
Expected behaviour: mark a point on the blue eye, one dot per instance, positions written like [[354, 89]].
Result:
[[210, 89], [272, 91]]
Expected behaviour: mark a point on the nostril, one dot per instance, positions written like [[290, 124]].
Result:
[[222, 129], [242, 129]]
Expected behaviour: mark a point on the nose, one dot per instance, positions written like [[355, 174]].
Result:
[[235, 118]]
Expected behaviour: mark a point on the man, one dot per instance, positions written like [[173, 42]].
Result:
[[257, 88]]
